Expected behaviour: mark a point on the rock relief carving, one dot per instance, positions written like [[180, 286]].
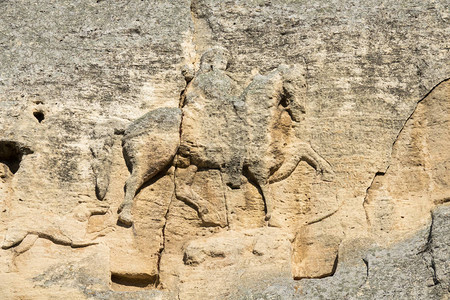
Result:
[[149, 145], [69, 230], [101, 151], [256, 133]]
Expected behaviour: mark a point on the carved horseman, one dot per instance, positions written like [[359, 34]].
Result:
[[212, 132], [255, 134]]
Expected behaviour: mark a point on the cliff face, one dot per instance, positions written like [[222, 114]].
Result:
[[224, 149]]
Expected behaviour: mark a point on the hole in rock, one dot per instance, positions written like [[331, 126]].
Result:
[[137, 281], [11, 154], [39, 115], [284, 102], [285, 99]]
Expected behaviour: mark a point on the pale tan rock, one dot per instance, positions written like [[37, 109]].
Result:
[[101, 165], [234, 256], [315, 251], [149, 145], [400, 199]]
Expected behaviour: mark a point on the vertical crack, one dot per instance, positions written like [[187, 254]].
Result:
[[366, 197], [429, 250], [163, 246], [166, 215], [225, 199], [433, 267], [366, 262]]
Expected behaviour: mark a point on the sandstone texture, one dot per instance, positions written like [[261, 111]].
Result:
[[263, 149]]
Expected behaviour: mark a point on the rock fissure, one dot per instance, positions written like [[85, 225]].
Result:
[[366, 197], [383, 173], [366, 262], [227, 212], [414, 110], [428, 250], [174, 195], [163, 233]]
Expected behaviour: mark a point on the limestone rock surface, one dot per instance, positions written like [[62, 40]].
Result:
[[201, 149]]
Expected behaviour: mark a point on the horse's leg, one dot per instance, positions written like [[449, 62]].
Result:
[[257, 175], [133, 183], [302, 151], [183, 182], [184, 192], [273, 220], [145, 159], [309, 155], [267, 200], [288, 166]]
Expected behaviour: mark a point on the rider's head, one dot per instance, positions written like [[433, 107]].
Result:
[[214, 59]]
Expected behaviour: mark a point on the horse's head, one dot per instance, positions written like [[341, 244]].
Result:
[[294, 91]]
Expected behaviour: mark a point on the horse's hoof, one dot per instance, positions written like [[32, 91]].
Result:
[[126, 218], [7, 244], [267, 218], [327, 176]]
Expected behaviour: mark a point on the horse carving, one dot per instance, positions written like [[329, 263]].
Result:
[[256, 133]]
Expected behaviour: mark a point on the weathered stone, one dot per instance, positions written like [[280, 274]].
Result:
[[269, 149], [149, 146], [101, 165], [417, 178], [439, 248]]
